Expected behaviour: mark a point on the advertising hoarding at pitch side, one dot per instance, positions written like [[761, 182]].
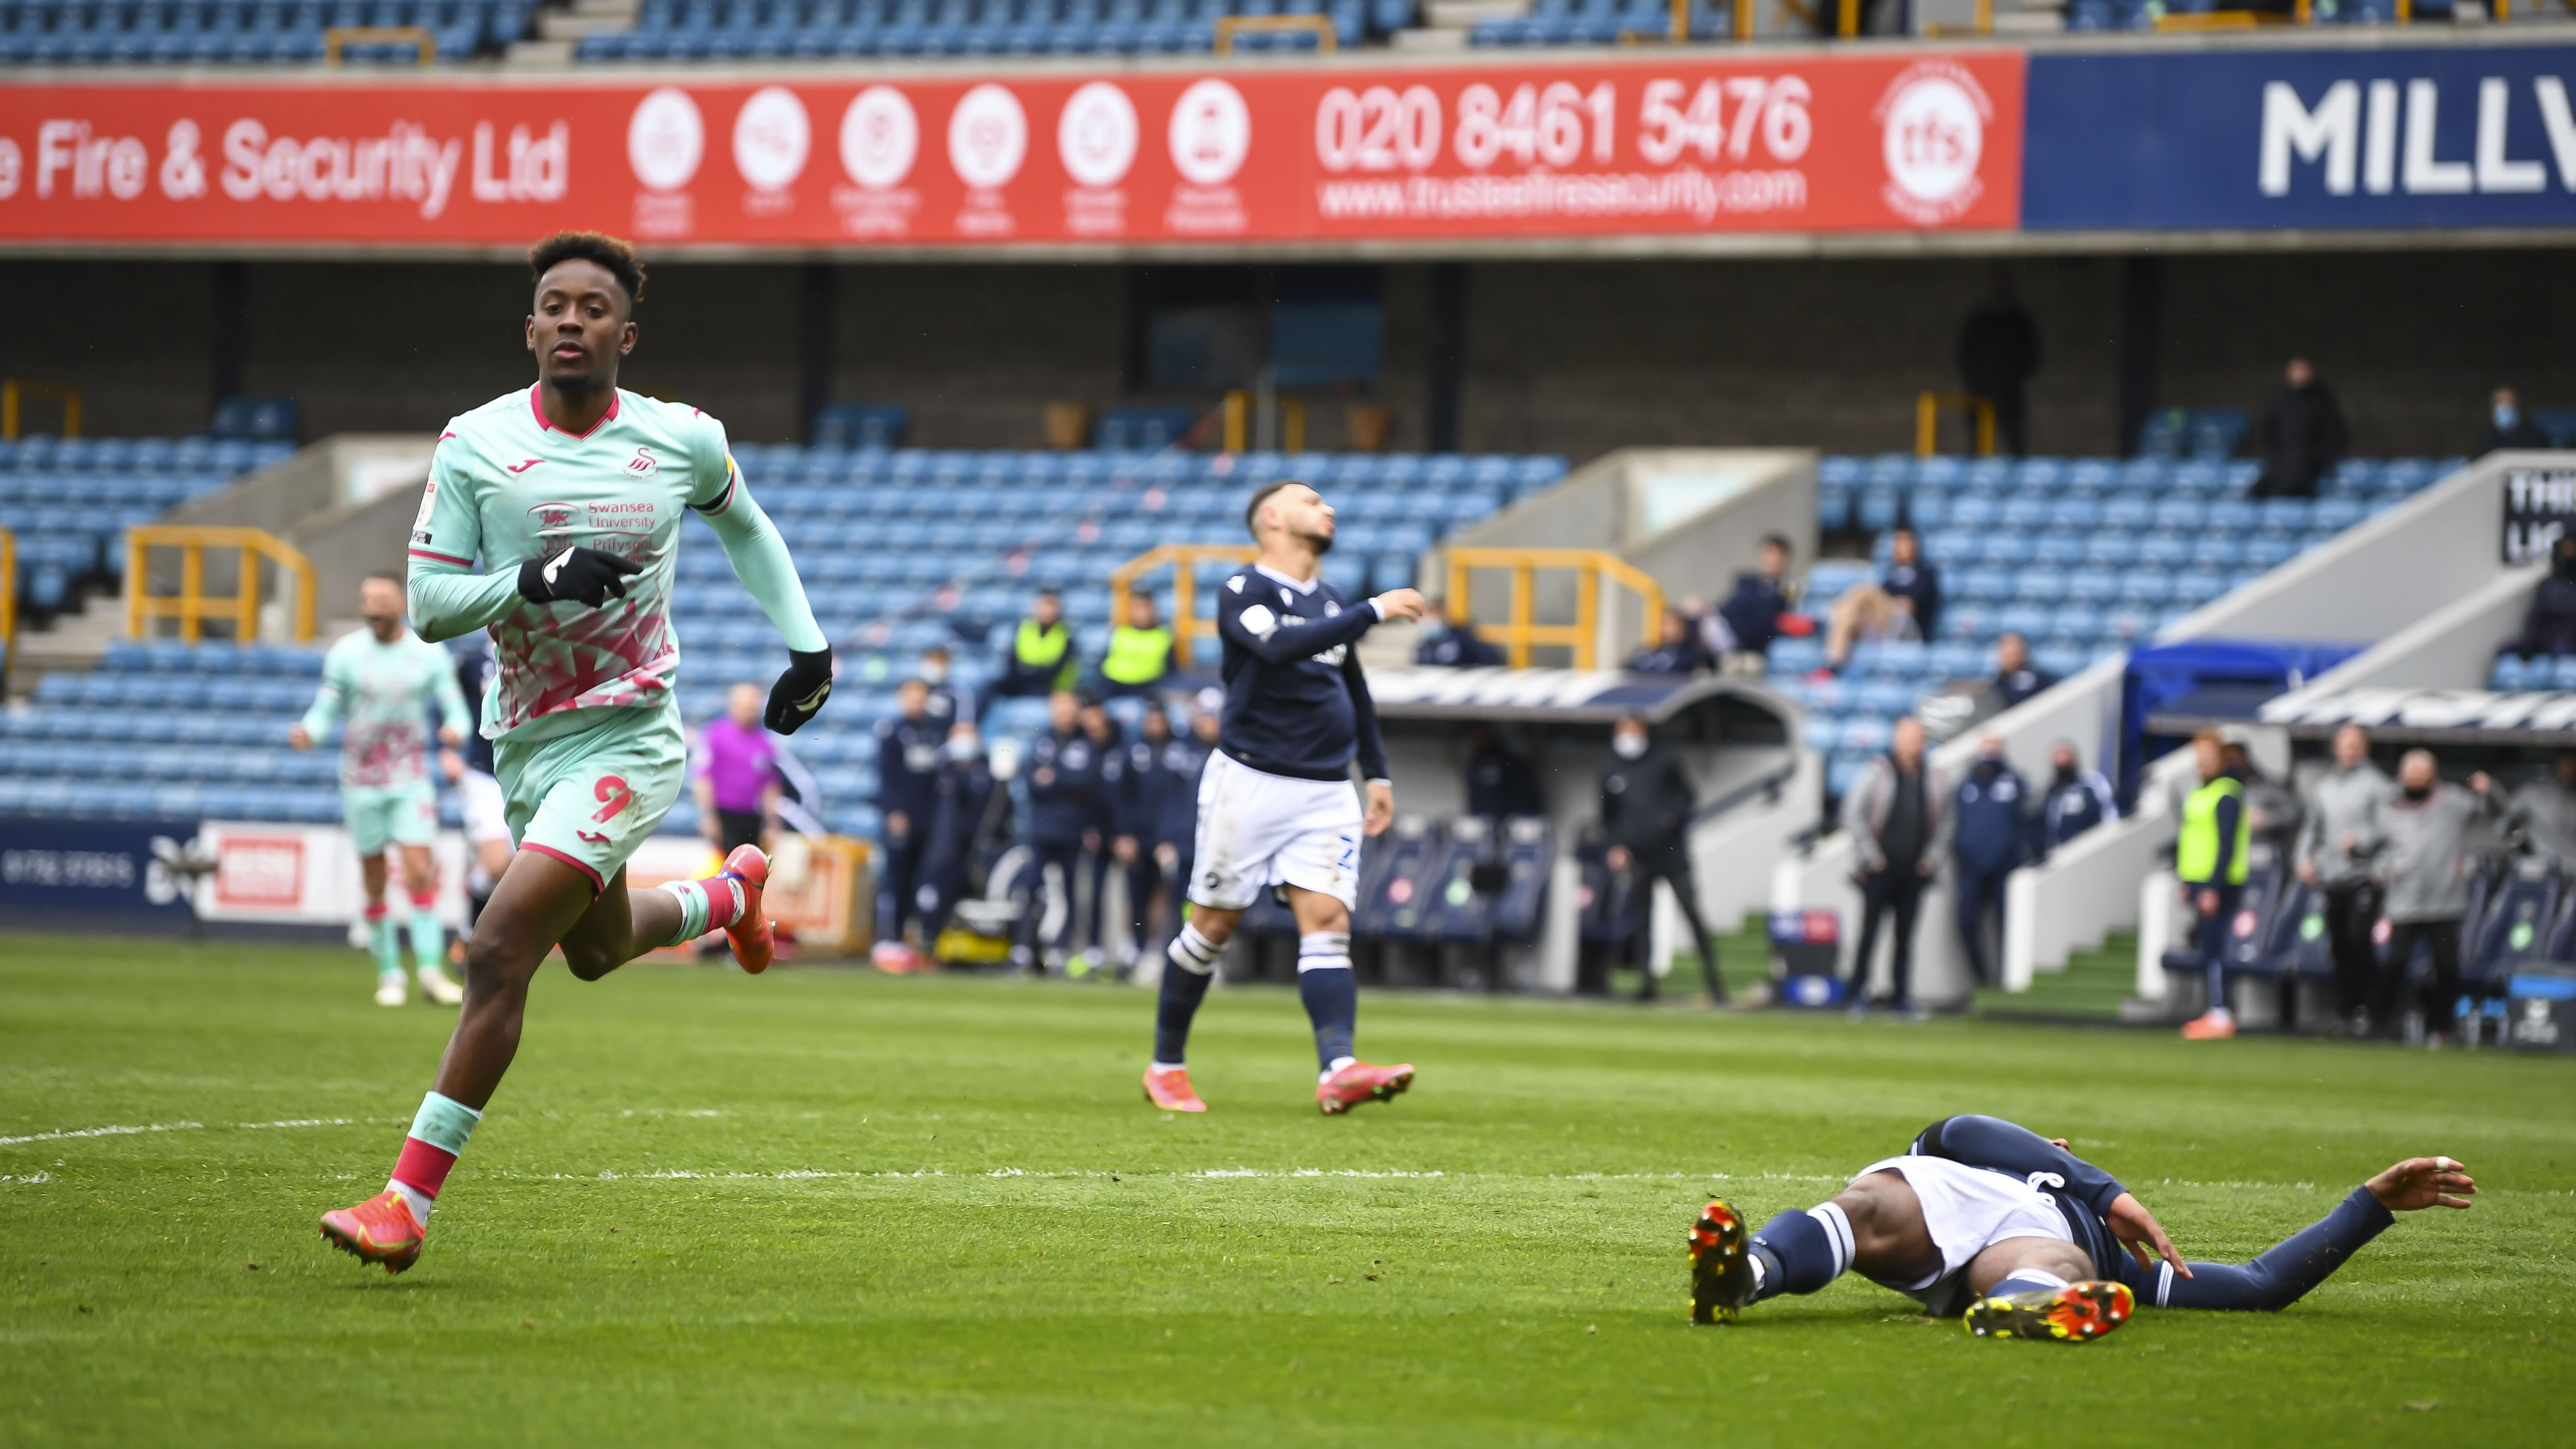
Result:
[[1663, 144]]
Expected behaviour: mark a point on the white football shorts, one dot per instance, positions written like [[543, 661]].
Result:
[[1969, 1209], [479, 798], [1258, 830]]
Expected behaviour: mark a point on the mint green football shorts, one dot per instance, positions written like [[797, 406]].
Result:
[[382, 815], [589, 790]]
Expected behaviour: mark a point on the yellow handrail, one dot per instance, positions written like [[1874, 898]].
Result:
[[1185, 623], [8, 600], [340, 35], [14, 391], [1981, 23], [1238, 423], [1592, 568], [1927, 421], [191, 606], [1327, 40]]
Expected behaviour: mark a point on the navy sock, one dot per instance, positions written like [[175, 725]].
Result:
[[1331, 993], [1188, 968], [2283, 1275], [1801, 1252]]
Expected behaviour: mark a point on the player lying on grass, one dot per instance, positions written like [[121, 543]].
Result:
[[1276, 807], [1992, 1222], [570, 495]]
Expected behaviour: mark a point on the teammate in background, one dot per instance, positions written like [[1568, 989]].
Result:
[[1162, 782], [377, 685], [1064, 786], [909, 748], [1113, 808], [1276, 807], [969, 826], [2078, 799], [571, 493], [468, 767], [1989, 1221], [950, 700]]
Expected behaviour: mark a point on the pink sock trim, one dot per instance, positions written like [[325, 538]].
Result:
[[375, 910], [425, 901], [724, 899], [423, 1167]]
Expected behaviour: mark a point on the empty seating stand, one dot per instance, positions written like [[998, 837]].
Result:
[[755, 29], [70, 500], [264, 32], [2083, 557]]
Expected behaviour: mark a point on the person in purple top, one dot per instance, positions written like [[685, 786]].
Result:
[[736, 778]]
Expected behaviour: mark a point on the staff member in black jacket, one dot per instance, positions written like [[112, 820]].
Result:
[[1646, 803]]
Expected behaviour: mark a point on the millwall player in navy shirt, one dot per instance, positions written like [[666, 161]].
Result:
[[1276, 807]]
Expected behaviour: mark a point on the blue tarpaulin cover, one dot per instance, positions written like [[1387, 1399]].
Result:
[[2162, 673]]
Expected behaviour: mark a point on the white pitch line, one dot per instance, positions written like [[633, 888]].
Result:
[[120, 1130]]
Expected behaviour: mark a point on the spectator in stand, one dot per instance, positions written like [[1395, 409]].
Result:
[[736, 782], [2508, 426], [1676, 649], [2210, 867], [1992, 840], [2549, 625], [2543, 814], [1998, 351], [1753, 615], [1500, 781], [910, 747], [2078, 799], [1042, 658], [1456, 646], [2016, 678], [1899, 818], [1140, 651], [2424, 872], [1866, 612], [2335, 843], [1909, 578], [2300, 435]]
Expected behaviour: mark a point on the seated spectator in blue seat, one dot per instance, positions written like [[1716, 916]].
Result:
[[2549, 625], [1866, 613], [2077, 800], [1751, 616], [1457, 646], [2016, 678], [2508, 426], [1676, 649], [1909, 577]]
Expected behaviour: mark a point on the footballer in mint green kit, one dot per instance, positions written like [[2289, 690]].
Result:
[[377, 686], [552, 519]]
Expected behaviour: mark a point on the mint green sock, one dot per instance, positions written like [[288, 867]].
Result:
[[385, 940], [428, 938]]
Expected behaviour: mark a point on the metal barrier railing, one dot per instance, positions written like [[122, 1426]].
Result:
[[1928, 408], [1240, 407], [14, 393], [1327, 40], [1185, 623], [1594, 570], [339, 36], [192, 606]]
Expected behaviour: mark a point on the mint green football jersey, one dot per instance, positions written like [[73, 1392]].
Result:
[[508, 486], [379, 695]]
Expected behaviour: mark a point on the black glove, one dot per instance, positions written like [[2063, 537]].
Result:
[[576, 576], [799, 693]]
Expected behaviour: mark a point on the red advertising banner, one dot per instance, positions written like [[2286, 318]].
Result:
[[1665, 144]]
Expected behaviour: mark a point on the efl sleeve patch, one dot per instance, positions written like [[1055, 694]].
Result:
[[1259, 622]]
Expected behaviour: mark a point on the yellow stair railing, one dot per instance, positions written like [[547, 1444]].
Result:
[[1928, 408], [1594, 569], [1186, 625], [1327, 39], [192, 605], [8, 600], [340, 36], [14, 393]]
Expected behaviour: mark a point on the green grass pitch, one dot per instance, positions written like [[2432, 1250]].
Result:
[[824, 1206]]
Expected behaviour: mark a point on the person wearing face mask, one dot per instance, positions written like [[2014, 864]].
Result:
[[2508, 426], [2549, 625], [1646, 802], [949, 701], [1900, 821], [970, 823], [2335, 844], [2078, 799], [2424, 872], [1993, 839]]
